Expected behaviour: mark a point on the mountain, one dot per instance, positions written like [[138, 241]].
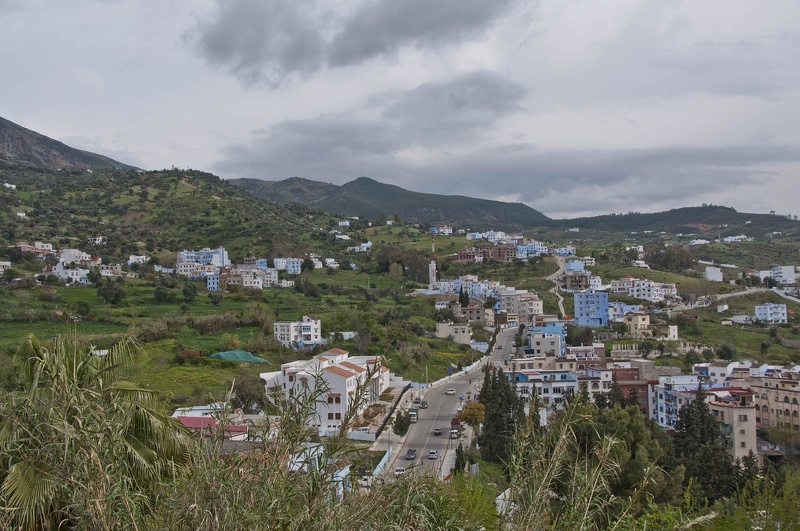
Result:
[[23, 146], [372, 199], [709, 219], [150, 212]]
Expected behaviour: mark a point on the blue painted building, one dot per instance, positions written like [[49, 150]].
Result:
[[591, 308]]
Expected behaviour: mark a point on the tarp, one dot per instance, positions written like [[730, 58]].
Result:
[[238, 355]]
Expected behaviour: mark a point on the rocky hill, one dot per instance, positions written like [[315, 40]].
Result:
[[22, 146]]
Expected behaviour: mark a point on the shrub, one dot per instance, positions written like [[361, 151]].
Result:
[[211, 324]]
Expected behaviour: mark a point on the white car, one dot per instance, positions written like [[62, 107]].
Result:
[[399, 471], [433, 454], [450, 391]]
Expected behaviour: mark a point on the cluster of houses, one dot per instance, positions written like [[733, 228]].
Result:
[[508, 247], [74, 265], [728, 239], [216, 268], [742, 396]]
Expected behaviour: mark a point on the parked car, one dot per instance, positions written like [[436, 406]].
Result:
[[364, 429], [416, 400], [437, 431], [450, 391], [424, 404], [433, 454], [399, 471], [411, 454]]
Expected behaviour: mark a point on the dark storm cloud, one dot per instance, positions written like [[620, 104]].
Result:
[[270, 41]]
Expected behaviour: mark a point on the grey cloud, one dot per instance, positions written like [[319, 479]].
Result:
[[271, 41], [384, 26], [261, 41], [455, 106]]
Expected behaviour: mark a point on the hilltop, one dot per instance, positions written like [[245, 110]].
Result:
[[22, 146], [372, 199]]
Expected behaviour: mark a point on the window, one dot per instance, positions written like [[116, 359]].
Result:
[[330, 400], [742, 444], [338, 400], [338, 416], [330, 416], [742, 418], [741, 432]]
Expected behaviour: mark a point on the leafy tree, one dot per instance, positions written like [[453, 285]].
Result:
[[633, 398], [396, 272], [249, 393], [726, 351], [402, 423], [307, 265], [111, 291], [473, 413], [189, 292], [216, 298], [161, 294]]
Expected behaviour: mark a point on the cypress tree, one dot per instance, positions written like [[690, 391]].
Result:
[[699, 443]]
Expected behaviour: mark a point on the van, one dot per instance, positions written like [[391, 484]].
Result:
[[365, 429], [450, 391]]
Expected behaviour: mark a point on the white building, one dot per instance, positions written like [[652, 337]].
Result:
[[280, 264], [73, 256], [771, 313], [714, 274], [4, 266], [459, 332], [294, 266], [217, 257], [137, 259], [347, 384], [304, 333], [783, 274]]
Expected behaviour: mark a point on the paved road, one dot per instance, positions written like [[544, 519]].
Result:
[[441, 409]]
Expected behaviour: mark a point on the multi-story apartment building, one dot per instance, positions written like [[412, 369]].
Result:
[[663, 398], [771, 313], [303, 333], [777, 399], [591, 308], [577, 280], [545, 344], [552, 386], [784, 274]]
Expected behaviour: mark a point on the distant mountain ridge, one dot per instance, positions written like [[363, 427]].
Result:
[[372, 199], [707, 219], [19, 145]]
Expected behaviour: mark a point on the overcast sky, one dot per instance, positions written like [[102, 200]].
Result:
[[572, 107]]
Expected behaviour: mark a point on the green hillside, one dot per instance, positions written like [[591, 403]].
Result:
[[150, 212]]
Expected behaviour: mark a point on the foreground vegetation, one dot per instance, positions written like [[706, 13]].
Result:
[[109, 461]]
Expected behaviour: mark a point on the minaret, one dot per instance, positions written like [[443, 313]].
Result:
[[432, 265]]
